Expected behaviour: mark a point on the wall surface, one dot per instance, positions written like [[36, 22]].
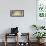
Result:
[[24, 23]]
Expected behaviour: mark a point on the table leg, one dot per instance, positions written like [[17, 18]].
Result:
[[5, 40]]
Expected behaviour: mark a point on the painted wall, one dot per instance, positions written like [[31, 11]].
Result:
[[24, 23]]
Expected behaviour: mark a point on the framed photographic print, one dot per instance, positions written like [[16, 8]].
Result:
[[17, 13]]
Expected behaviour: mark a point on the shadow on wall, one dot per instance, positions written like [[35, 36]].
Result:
[[7, 30]]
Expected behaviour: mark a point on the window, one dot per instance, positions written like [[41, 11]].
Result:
[[41, 8]]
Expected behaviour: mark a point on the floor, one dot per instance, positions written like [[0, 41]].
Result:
[[13, 44]]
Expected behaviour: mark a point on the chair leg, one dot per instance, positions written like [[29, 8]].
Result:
[[17, 41], [5, 43], [5, 40]]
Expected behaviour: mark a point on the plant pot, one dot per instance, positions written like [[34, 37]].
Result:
[[40, 41]]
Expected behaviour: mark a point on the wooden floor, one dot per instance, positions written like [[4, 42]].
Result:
[[13, 44]]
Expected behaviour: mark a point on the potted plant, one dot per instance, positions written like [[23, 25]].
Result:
[[39, 35]]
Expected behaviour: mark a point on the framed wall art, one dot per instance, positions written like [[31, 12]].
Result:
[[17, 13]]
